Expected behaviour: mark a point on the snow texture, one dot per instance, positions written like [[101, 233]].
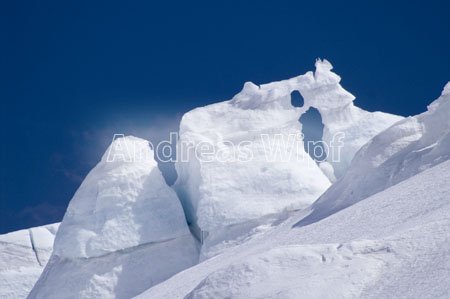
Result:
[[124, 230], [122, 203], [23, 256], [217, 194], [394, 244]]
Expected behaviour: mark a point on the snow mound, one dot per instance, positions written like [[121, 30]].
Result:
[[23, 256], [393, 244], [259, 166], [401, 151], [124, 230]]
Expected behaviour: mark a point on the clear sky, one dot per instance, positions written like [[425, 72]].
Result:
[[73, 73]]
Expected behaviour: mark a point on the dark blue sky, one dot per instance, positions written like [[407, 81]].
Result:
[[74, 72]]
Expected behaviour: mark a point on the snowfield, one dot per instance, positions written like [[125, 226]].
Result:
[[373, 224]]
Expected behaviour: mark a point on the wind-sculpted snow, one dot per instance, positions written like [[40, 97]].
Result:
[[124, 230], [255, 163], [23, 256], [403, 150]]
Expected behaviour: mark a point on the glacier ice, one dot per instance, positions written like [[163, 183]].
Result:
[[23, 256], [124, 230], [216, 194]]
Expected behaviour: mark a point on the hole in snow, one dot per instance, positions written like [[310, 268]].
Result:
[[312, 129], [297, 99]]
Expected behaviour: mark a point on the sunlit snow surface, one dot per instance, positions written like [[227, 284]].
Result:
[[394, 244], [403, 150], [124, 230], [380, 231], [217, 194], [23, 256]]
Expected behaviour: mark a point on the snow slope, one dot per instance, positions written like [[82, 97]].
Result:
[[403, 150], [124, 230], [217, 192], [23, 256], [394, 244]]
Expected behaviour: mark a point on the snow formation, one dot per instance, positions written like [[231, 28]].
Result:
[[124, 230], [403, 150], [217, 194], [380, 231], [23, 256]]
